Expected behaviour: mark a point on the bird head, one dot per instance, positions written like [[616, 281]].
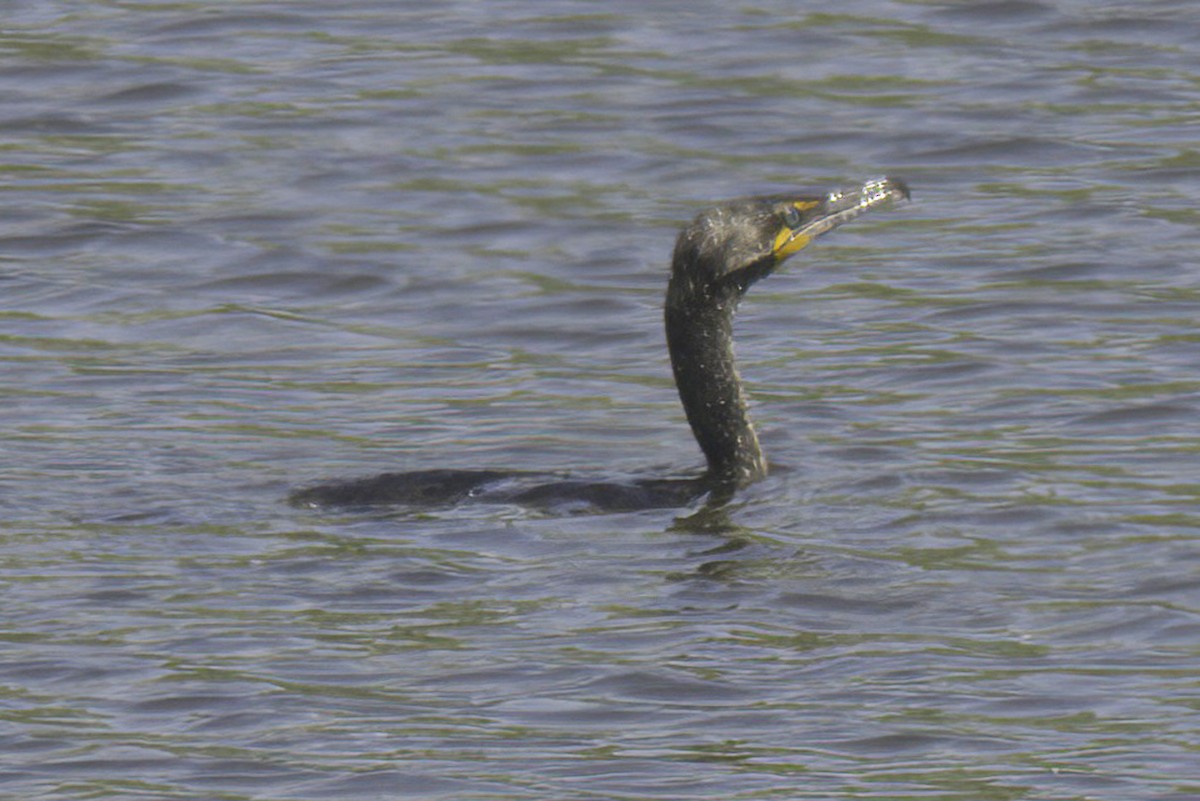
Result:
[[727, 248]]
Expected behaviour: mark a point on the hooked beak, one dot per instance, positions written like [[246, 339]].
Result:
[[817, 217]]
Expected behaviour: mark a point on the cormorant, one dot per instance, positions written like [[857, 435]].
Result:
[[717, 257]]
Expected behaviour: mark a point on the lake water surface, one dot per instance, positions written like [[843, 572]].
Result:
[[246, 246]]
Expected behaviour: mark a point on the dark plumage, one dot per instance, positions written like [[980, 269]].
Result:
[[717, 257]]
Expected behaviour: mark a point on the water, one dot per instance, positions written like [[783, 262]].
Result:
[[248, 247]]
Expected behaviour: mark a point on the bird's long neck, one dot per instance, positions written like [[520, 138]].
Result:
[[700, 341]]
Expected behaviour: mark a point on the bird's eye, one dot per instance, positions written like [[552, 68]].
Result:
[[791, 216]]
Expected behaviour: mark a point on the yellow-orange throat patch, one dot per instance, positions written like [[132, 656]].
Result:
[[789, 240]]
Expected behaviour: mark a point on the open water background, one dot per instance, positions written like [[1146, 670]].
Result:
[[246, 245]]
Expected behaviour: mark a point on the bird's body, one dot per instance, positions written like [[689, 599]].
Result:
[[717, 257]]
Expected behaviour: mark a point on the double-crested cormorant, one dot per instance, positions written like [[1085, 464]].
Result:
[[717, 257]]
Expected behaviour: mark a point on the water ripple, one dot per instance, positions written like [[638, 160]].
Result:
[[244, 248]]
